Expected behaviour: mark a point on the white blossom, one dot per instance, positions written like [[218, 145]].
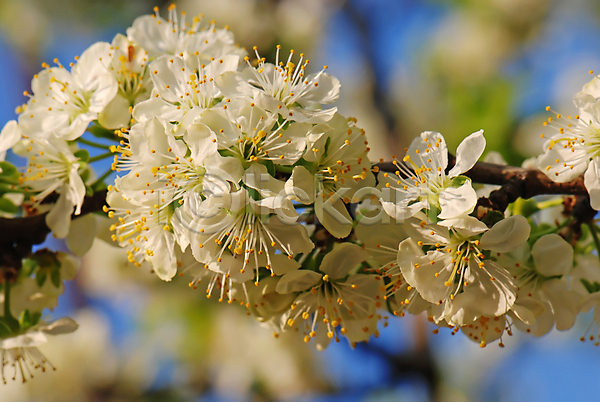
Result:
[[20, 354], [421, 181], [456, 274]]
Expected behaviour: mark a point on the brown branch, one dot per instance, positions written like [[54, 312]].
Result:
[[516, 181], [18, 235]]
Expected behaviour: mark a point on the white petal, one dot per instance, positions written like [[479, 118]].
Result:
[[334, 217], [552, 255], [576, 162], [68, 265], [506, 235], [293, 237], [301, 185], [466, 225], [64, 325], [526, 309], [59, 217], [201, 141], [591, 179], [457, 201], [401, 212], [164, 261], [282, 264], [82, 234], [467, 153], [433, 143], [420, 273], [10, 135], [297, 281], [116, 114], [29, 339], [563, 301], [342, 259], [232, 84]]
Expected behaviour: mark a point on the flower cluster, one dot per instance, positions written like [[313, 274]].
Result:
[[235, 170]]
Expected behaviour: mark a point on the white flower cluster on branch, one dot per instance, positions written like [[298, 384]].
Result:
[[234, 170]]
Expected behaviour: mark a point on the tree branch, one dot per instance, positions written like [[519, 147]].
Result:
[[18, 235], [515, 181]]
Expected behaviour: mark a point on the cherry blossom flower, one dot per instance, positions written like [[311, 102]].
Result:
[[337, 296], [65, 102], [53, 167], [20, 353], [457, 273], [284, 88], [421, 181]]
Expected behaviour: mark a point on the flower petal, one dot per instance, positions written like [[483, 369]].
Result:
[[297, 281], [467, 153], [457, 201], [342, 259], [506, 235], [82, 234], [591, 179], [552, 255]]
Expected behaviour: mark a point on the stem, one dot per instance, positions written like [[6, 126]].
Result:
[[100, 157], [595, 237], [550, 203], [534, 238], [101, 178], [91, 143], [8, 318], [284, 169]]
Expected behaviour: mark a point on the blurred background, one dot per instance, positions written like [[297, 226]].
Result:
[[406, 66]]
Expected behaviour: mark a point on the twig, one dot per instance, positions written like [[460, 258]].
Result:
[[18, 235], [515, 181]]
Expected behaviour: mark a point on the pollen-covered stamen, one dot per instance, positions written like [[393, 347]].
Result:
[[287, 83], [591, 333], [425, 176], [132, 227], [24, 360], [123, 159], [247, 237], [576, 135], [47, 170], [257, 142], [219, 283], [180, 28], [62, 97], [461, 254], [131, 83], [343, 164], [326, 304]]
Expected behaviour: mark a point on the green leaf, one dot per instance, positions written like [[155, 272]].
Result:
[[253, 193], [492, 217], [9, 173], [525, 207], [459, 181], [433, 213], [7, 205], [55, 278], [591, 287], [25, 319], [40, 278], [83, 155], [28, 265], [326, 146], [4, 329], [98, 131], [270, 167], [35, 317], [310, 166]]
